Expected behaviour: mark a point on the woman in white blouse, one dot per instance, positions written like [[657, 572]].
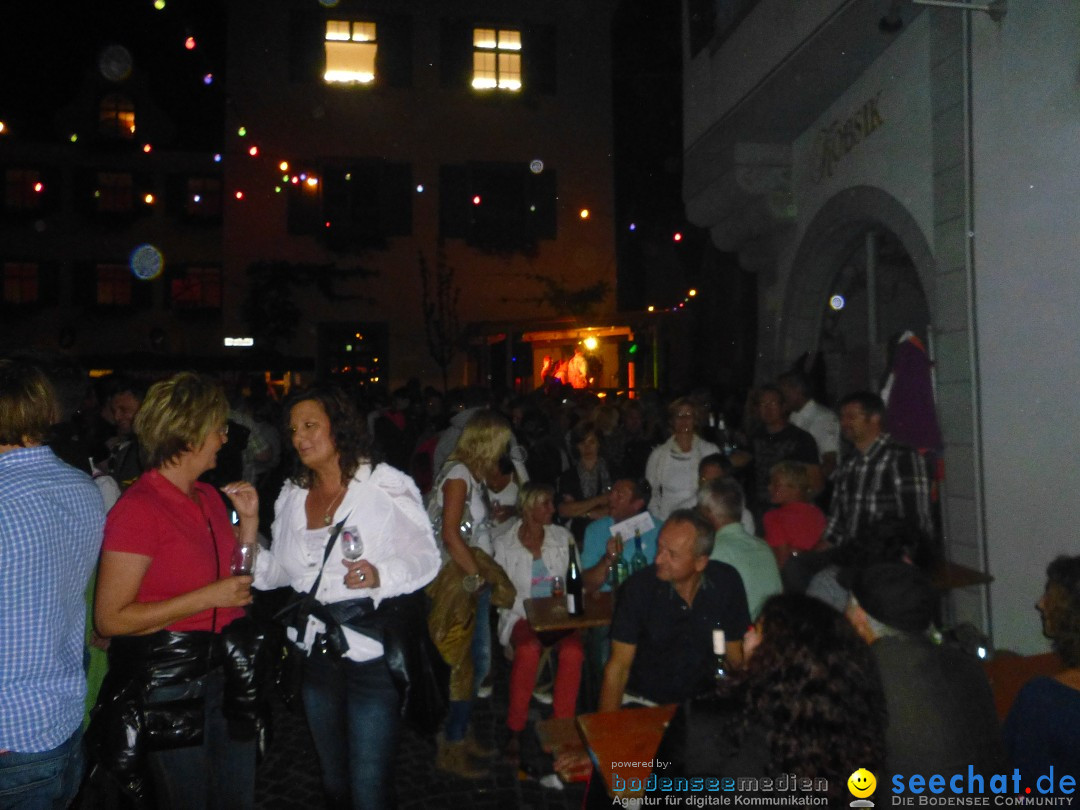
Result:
[[531, 553], [351, 702], [672, 469]]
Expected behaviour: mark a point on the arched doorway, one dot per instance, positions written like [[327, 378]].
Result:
[[862, 276]]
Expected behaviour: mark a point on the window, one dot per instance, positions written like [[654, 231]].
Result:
[[203, 198], [113, 287], [113, 193], [496, 59], [116, 118], [23, 190], [21, 284], [350, 52], [197, 288]]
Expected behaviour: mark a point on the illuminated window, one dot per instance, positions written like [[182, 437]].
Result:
[[496, 59], [21, 283], [114, 193], [113, 288], [197, 288], [350, 52], [23, 190], [116, 118]]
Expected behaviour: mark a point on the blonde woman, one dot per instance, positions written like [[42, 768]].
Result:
[[795, 525], [461, 514], [672, 469], [164, 593]]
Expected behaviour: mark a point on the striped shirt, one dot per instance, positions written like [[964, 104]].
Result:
[[888, 480], [51, 523]]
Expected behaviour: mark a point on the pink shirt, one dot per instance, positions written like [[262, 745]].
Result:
[[190, 544]]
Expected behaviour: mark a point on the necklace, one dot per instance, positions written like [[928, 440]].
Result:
[[328, 515]]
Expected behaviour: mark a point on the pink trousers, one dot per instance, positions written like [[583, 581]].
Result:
[[527, 651]]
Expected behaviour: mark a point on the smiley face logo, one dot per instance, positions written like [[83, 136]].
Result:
[[862, 783]]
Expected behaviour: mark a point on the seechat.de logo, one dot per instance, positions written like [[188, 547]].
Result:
[[862, 784]]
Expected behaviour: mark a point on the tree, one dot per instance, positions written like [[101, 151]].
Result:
[[439, 303]]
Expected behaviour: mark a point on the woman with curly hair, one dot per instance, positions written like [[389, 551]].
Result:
[[339, 494], [808, 702], [1042, 730]]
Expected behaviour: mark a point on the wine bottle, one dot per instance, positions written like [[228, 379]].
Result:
[[719, 648], [575, 604], [613, 568], [638, 561]]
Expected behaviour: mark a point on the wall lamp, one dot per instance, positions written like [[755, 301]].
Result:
[[995, 8]]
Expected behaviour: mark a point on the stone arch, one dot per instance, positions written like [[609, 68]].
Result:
[[828, 239]]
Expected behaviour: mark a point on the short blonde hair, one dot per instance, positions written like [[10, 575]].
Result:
[[486, 437], [533, 492], [794, 472], [177, 416]]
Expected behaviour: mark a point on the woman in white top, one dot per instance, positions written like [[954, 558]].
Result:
[[672, 469], [461, 502], [531, 553], [351, 702]]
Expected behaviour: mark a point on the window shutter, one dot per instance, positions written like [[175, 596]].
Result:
[[539, 59], [307, 59], [84, 284], [304, 215], [453, 202], [142, 292], [455, 54], [396, 198], [49, 284], [394, 55]]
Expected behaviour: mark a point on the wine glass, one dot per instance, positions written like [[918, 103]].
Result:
[[242, 562], [352, 547]]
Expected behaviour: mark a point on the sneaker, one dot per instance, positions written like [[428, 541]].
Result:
[[542, 697], [485, 689], [552, 781]]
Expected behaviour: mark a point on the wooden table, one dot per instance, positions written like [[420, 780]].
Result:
[[547, 613], [625, 736], [947, 575]]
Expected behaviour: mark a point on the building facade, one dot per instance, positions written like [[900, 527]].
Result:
[[371, 144], [888, 167]]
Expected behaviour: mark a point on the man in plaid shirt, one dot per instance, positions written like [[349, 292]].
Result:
[[881, 479], [51, 523]]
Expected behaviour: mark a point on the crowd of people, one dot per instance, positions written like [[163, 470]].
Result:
[[143, 523]]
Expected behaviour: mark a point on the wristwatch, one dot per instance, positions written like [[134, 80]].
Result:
[[471, 583]]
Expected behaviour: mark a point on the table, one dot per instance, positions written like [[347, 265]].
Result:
[[625, 736], [947, 575], [548, 614]]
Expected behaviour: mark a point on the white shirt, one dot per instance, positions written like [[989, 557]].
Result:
[[821, 423], [673, 474], [385, 507], [516, 561]]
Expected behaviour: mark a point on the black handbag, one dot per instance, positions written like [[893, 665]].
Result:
[[290, 670]]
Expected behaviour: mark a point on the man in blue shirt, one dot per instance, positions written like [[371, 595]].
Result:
[[51, 523], [600, 550]]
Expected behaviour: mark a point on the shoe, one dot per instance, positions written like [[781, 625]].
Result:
[[552, 781], [542, 697], [485, 689], [477, 749], [512, 750], [453, 758]]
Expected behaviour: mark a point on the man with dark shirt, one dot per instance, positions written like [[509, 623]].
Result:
[[776, 440], [941, 710], [661, 634]]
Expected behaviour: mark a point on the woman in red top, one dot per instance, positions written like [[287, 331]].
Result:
[[796, 524], [164, 577]]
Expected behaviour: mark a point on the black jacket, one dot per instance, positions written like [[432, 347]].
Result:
[[152, 697]]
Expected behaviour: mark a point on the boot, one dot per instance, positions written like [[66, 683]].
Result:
[[453, 758], [477, 749]]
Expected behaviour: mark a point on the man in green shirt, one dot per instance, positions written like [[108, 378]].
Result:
[[721, 503]]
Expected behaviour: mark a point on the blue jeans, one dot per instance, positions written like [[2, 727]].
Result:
[[220, 773], [481, 640], [353, 713], [47, 780]]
